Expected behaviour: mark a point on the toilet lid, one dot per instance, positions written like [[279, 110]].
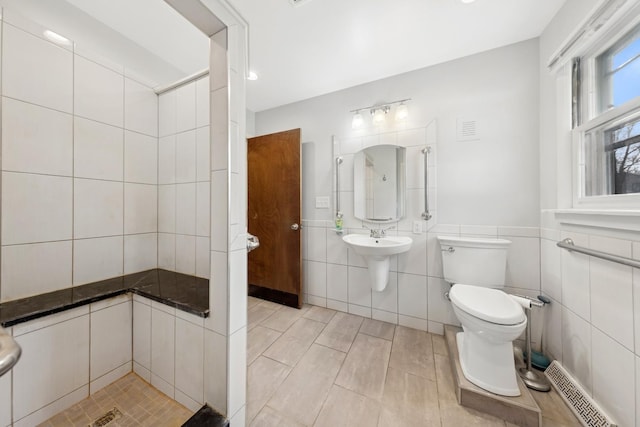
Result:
[[487, 304]]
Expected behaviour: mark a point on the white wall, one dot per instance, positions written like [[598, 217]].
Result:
[[487, 187], [493, 181], [184, 179], [592, 323], [79, 166]]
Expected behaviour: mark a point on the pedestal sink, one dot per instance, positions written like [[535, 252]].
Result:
[[376, 252]]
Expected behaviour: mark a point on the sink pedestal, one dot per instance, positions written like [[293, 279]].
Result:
[[376, 251], [378, 272]]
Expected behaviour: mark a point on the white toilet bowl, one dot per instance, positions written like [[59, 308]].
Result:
[[490, 320]]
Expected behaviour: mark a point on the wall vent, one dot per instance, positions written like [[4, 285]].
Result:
[[467, 130], [585, 409]]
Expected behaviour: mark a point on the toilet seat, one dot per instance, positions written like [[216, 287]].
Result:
[[491, 305]]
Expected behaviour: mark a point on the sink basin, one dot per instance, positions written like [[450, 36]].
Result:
[[376, 252], [374, 246]]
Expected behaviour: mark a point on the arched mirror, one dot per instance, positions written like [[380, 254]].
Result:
[[379, 176]]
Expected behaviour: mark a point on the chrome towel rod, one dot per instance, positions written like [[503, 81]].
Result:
[[338, 163], [426, 215], [570, 246]]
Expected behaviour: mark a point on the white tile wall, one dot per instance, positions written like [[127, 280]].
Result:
[[68, 371], [98, 208], [140, 208], [186, 209], [5, 400], [21, 277], [592, 326], [140, 108], [612, 291], [142, 332], [140, 252], [35, 208], [186, 107], [163, 345], [24, 56], [111, 336], [64, 161], [97, 259], [576, 288], [98, 150], [576, 348], [190, 359], [140, 158], [167, 159], [167, 251], [167, 113], [36, 139], [186, 254], [613, 387], [184, 175], [185, 156], [202, 102], [98, 92]]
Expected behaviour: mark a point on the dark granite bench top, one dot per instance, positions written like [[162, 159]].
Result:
[[181, 291]]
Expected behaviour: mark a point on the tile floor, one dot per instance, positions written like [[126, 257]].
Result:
[[138, 402], [319, 367]]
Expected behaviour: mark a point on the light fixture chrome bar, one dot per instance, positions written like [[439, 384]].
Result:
[[426, 215], [338, 163], [384, 104], [570, 246]]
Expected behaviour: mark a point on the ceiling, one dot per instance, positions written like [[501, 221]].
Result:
[[298, 52]]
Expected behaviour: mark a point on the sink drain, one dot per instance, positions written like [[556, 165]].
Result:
[[105, 419]]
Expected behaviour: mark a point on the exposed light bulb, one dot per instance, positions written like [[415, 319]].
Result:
[[252, 76], [379, 115], [402, 112], [357, 120]]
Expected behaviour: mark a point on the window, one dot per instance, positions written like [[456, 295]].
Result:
[[608, 84], [619, 72], [612, 158]]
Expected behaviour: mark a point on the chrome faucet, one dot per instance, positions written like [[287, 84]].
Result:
[[378, 233]]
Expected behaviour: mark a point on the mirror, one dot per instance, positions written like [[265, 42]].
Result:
[[379, 176]]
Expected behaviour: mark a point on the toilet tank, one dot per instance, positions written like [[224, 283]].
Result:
[[474, 261]]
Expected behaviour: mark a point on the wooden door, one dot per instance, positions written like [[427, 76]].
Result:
[[274, 217]]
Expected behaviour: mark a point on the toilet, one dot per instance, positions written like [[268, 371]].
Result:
[[490, 318]]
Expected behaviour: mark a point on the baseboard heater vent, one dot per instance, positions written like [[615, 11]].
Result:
[[585, 409]]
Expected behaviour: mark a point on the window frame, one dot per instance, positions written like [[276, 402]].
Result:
[[592, 117]]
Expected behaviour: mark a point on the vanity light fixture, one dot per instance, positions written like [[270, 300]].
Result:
[[380, 111], [357, 120], [379, 114], [401, 112]]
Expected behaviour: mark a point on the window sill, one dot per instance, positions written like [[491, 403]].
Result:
[[612, 219]]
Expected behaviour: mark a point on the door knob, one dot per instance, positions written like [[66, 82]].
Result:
[[295, 226], [252, 242]]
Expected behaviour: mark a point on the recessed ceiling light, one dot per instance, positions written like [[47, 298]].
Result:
[[252, 76], [467, 1], [56, 38]]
